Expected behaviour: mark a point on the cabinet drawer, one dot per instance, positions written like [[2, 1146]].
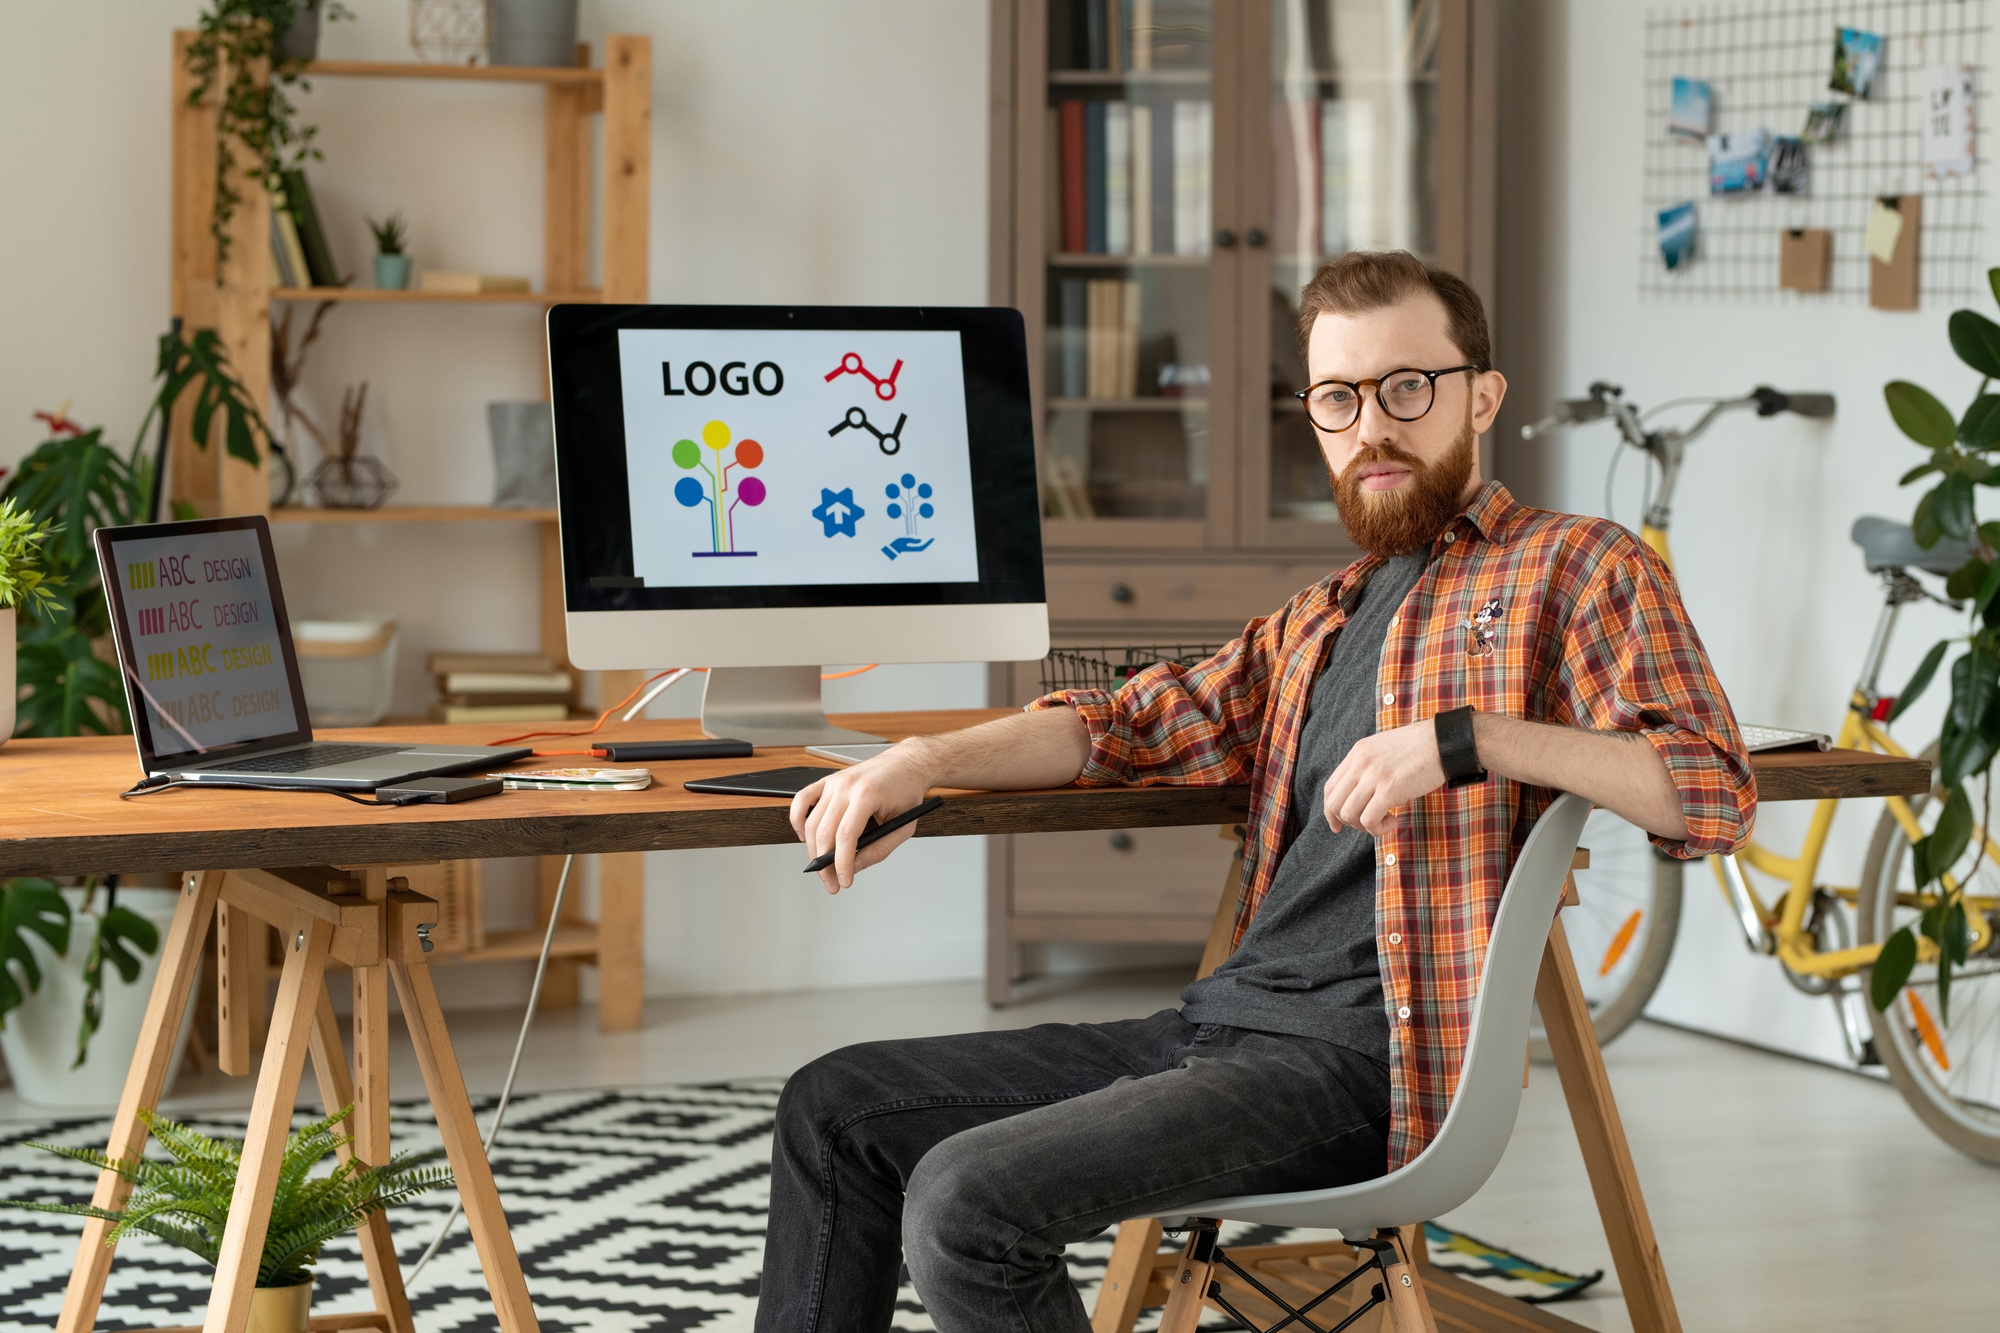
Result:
[[1147, 872], [1149, 591]]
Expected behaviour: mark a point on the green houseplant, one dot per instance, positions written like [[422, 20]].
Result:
[[185, 1201], [24, 584], [241, 44], [65, 489], [392, 262], [1964, 456]]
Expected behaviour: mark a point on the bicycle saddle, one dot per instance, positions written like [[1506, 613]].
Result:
[[1887, 544]]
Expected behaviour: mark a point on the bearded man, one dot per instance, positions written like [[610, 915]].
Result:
[[1401, 724]]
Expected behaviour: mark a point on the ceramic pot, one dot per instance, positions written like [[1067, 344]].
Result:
[[9, 687], [40, 1037], [531, 32], [392, 272], [299, 41], [280, 1309]]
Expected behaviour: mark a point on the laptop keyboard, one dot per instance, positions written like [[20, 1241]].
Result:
[[311, 756]]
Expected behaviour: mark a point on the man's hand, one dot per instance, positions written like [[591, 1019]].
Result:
[[1380, 775], [831, 814]]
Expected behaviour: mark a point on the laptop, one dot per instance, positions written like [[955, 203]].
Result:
[[211, 677]]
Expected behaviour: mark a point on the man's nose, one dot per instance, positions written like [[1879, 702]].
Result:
[[1374, 425]]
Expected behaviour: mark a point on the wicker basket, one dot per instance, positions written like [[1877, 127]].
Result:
[[1109, 668]]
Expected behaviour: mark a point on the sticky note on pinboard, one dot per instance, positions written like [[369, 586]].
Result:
[[1892, 281], [1885, 228], [1804, 257]]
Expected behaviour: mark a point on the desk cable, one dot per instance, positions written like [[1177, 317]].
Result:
[[513, 1066]]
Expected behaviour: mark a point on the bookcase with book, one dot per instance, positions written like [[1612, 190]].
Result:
[[1166, 175], [596, 126]]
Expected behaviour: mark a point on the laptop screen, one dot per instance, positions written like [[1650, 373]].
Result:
[[203, 640]]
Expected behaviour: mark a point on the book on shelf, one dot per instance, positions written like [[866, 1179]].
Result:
[[282, 273], [1132, 176], [1066, 495], [444, 664], [293, 259], [1111, 338], [1072, 337], [1128, 35], [469, 284], [545, 683], [318, 255], [454, 713]]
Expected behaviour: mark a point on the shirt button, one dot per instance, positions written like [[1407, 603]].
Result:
[[1450, 537], [1388, 698], [1395, 621], [1395, 938], [1404, 1012], [1389, 860]]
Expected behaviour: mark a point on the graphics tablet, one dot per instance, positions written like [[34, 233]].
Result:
[[785, 782]]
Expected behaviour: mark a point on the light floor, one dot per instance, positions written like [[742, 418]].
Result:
[[1786, 1195]]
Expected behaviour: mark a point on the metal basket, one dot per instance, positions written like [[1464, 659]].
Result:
[[1109, 668]]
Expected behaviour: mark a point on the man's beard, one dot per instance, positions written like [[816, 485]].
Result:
[[1393, 522]]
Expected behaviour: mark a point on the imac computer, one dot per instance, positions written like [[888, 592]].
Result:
[[760, 490]]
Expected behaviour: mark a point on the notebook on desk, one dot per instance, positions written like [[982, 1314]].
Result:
[[211, 677]]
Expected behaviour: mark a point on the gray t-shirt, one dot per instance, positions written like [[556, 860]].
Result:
[[1307, 965]]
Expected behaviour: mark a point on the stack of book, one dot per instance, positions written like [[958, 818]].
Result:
[[1323, 171], [1129, 34], [499, 687], [1096, 338], [1131, 178], [300, 256]]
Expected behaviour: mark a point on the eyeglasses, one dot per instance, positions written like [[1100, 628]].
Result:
[[1406, 395]]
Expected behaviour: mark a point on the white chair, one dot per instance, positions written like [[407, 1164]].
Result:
[[1467, 1147]]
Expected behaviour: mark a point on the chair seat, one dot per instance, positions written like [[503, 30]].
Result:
[[1887, 544]]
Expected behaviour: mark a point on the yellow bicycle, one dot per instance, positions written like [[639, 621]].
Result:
[[1824, 936]]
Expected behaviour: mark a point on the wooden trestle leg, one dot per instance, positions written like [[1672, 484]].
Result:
[[378, 1249], [180, 959]]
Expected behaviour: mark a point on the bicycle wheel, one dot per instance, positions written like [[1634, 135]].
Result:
[[1950, 1076], [1621, 932]]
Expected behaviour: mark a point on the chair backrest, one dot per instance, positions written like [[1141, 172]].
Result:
[[1481, 1119]]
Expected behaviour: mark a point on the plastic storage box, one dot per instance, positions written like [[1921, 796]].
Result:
[[348, 668]]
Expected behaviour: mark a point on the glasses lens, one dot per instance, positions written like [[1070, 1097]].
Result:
[[1332, 406], [1407, 394]]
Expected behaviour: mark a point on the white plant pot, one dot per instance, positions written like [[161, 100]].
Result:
[[40, 1037], [9, 685]]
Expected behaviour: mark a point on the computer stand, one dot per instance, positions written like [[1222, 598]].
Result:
[[770, 706]]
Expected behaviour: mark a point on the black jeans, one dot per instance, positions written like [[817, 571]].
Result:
[[979, 1157]]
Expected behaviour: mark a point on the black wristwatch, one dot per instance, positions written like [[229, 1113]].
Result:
[[1456, 752]]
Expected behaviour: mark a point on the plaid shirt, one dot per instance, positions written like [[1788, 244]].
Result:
[[1538, 615]]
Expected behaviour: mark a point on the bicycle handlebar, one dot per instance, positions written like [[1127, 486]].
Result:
[[1607, 399]]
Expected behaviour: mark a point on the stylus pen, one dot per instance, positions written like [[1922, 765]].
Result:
[[874, 831]]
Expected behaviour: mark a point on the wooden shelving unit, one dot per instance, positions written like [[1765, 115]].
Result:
[[236, 299]]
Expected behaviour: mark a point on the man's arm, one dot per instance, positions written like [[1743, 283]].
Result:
[[1618, 770], [1029, 750]]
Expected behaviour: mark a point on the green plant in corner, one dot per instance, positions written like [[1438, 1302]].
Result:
[[186, 1201], [236, 45], [1964, 455], [24, 575], [390, 233]]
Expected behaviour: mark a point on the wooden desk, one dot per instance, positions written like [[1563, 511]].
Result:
[[62, 815]]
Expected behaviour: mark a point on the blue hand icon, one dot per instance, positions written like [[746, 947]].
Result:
[[837, 511], [906, 546]]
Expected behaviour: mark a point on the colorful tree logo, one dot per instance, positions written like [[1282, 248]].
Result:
[[690, 491]]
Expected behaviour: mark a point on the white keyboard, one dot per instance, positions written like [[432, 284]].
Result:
[[1782, 738]]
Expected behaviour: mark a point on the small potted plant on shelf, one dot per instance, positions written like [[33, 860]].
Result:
[[24, 584], [392, 263], [186, 1202]]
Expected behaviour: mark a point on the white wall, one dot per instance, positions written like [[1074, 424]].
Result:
[[801, 152], [1761, 520]]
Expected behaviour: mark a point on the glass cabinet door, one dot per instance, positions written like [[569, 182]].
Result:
[[1347, 148], [1127, 189]]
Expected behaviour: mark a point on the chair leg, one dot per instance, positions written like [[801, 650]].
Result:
[[1123, 1294], [1409, 1307], [1191, 1280]]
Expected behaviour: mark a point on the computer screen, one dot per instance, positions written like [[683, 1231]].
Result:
[[202, 635], [781, 487]]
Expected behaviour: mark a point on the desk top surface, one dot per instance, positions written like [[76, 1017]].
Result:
[[60, 812]]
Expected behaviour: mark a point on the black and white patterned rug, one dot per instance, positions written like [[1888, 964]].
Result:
[[635, 1210]]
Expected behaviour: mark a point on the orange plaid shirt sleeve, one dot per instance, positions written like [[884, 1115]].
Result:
[[1537, 615]]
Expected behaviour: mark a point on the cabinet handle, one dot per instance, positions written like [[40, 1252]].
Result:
[[1121, 594], [1225, 239], [1121, 842], [1255, 238]]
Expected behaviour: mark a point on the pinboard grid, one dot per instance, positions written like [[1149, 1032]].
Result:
[[1766, 63]]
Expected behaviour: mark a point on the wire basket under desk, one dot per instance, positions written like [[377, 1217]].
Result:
[[1108, 668]]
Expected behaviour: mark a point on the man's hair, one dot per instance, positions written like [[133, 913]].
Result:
[[1364, 280]]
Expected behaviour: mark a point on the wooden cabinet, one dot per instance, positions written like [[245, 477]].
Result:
[[1166, 175]]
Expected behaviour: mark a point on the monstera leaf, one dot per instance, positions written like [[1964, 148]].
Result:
[[119, 930], [27, 905]]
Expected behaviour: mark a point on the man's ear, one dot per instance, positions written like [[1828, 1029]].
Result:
[[1488, 391]]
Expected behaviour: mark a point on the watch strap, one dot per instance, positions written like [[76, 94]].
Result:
[[1457, 753]]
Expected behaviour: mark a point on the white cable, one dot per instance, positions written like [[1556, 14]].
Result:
[[658, 689], [513, 1066]]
